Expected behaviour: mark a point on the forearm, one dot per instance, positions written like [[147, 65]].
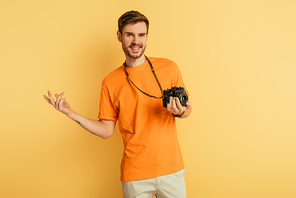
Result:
[[101, 128]]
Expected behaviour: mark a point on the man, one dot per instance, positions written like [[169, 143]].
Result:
[[131, 94]]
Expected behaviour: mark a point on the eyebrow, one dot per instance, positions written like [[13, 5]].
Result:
[[133, 33]]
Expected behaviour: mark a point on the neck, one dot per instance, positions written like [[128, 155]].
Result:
[[132, 62]]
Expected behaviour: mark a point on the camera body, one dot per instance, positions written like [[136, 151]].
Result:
[[178, 92]]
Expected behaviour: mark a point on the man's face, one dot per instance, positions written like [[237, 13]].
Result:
[[134, 39]]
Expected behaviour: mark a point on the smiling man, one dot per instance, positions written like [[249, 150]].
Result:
[[133, 39], [132, 95]]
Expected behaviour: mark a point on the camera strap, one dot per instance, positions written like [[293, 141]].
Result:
[[152, 69]]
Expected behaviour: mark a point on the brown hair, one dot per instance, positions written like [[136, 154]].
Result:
[[131, 17]]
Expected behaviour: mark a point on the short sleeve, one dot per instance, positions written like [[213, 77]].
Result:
[[107, 109]]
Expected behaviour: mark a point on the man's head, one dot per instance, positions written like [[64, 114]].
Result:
[[131, 17], [133, 33]]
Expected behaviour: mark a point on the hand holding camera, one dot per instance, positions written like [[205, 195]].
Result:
[[176, 101]]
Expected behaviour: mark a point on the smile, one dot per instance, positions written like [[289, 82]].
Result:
[[135, 48]]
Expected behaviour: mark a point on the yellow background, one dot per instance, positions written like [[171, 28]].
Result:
[[238, 61]]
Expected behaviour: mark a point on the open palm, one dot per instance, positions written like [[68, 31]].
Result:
[[59, 103]]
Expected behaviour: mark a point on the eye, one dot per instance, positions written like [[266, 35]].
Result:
[[142, 35]]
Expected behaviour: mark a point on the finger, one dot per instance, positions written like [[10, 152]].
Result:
[[59, 96], [174, 105], [179, 106], [59, 99], [188, 104], [46, 98], [51, 99], [169, 105]]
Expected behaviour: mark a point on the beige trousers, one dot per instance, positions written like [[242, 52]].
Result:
[[167, 186]]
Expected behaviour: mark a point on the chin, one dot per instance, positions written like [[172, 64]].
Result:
[[135, 56]]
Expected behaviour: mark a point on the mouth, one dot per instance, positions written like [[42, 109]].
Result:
[[135, 48]]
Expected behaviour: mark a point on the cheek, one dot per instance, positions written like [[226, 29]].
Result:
[[126, 41], [144, 40], [123, 42]]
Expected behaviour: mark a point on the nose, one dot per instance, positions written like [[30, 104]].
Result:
[[136, 39]]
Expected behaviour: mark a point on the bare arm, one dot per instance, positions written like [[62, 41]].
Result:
[[177, 109], [101, 128]]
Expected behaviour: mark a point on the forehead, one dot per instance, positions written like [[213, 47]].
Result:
[[139, 27]]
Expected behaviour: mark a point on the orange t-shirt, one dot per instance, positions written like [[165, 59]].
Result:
[[151, 146]]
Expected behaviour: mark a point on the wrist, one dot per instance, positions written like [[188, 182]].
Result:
[[71, 115], [179, 115]]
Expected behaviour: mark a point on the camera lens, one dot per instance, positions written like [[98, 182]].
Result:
[[183, 99]]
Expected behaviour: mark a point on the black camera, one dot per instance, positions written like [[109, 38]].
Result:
[[178, 92]]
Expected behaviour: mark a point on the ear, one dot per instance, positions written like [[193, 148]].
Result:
[[119, 36]]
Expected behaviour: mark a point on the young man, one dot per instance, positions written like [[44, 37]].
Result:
[[131, 94]]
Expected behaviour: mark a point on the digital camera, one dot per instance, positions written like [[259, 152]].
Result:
[[178, 92]]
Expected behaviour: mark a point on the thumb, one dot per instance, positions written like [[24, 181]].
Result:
[[188, 104]]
